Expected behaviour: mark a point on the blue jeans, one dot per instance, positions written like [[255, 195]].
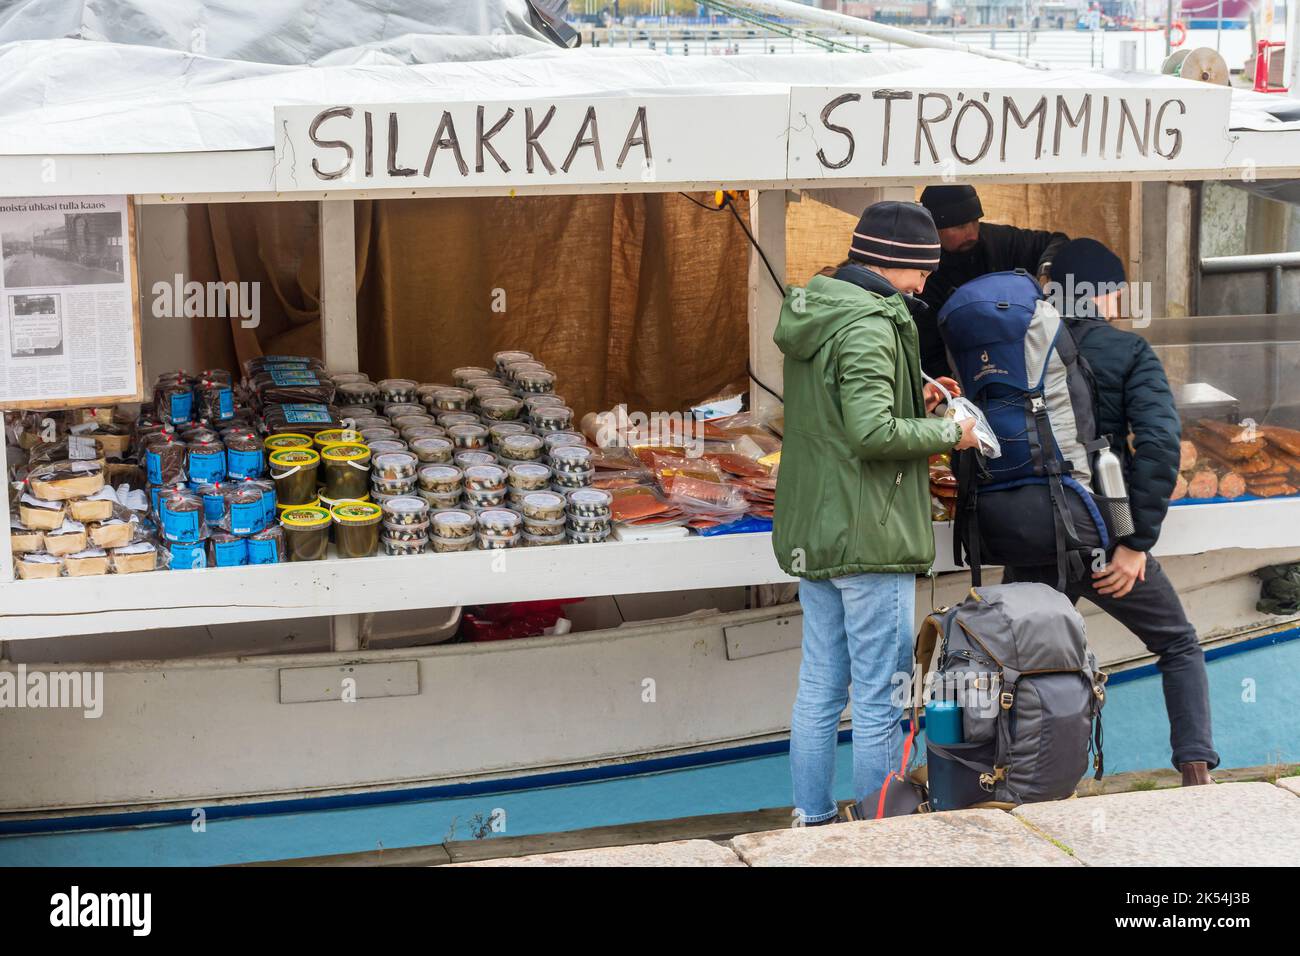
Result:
[[857, 632]]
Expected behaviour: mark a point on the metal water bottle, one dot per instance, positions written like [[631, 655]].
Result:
[[1110, 484]]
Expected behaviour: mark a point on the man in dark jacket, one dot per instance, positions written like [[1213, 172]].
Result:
[[1133, 397], [971, 248]]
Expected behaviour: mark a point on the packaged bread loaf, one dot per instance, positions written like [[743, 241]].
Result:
[[24, 540], [114, 533], [85, 563], [38, 565], [62, 480], [40, 515], [68, 538], [97, 507], [134, 558]]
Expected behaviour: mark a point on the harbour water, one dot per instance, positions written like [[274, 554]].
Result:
[[1255, 690]]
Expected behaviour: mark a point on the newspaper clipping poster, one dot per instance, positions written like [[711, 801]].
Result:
[[68, 329]]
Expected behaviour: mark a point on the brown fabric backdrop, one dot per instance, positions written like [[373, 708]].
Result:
[[629, 298]]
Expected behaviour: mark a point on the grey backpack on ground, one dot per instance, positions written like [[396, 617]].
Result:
[[1016, 657]]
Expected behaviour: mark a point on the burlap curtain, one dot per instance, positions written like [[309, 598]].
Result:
[[635, 298]]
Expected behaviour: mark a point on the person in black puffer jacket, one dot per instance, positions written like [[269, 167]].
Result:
[[1133, 396]]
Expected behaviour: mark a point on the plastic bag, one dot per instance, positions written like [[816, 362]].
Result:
[[962, 409]]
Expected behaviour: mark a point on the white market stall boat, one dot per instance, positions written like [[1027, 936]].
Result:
[[228, 693]]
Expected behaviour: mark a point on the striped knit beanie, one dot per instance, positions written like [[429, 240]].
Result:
[[896, 235]]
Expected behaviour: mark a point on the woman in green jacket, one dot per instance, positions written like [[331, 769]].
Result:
[[853, 500]]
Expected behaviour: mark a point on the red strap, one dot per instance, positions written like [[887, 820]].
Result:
[[901, 773]]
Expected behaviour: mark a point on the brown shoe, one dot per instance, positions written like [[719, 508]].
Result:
[[1196, 773]]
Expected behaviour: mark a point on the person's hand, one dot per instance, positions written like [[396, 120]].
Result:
[[1125, 569], [968, 439], [933, 396]]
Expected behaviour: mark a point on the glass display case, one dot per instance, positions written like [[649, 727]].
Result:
[[1236, 382]]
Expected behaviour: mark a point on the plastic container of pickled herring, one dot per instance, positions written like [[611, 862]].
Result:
[[499, 430], [513, 369], [450, 419], [474, 384], [566, 481], [483, 392], [504, 359], [406, 511], [394, 466], [480, 500], [451, 545], [398, 409], [283, 440], [226, 550], [402, 547], [403, 422], [388, 446], [537, 401], [552, 418], [468, 436], [347, 470], [594, 537], [579, 525], [348, 378], [497, 524], [266, 546], [528, 477], [400, 531], [542, 541], [545, 528], [554, 440], [374, 433], [397, 390], [571, 458], [412, 435], [441, 502], [392, 487], [441, 479], [462, 375], [485, 478], [543, 506], [294, 472], [432, 450], [306, 533], [357, 393], [453, 523], [425, 392], [590, 503], [453, 399], [521, 448], [534, 381], [500, 409], [468, 459], [356, 528]]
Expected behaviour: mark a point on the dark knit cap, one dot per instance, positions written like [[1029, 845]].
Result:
[[896, 235], [952, 205], [1087, 260]]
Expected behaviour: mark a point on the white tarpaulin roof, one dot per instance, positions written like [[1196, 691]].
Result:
[[119, 76]]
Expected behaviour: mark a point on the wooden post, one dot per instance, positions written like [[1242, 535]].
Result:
[[6, 546], [338, 285], [767, 210]]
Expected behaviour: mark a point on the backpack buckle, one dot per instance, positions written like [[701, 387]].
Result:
[[1037, 403], [1007, 699]]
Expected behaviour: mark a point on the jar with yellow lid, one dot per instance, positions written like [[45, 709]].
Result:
[[347, 470], [356, 528], [306, 532], [283, 440], [294, 472]]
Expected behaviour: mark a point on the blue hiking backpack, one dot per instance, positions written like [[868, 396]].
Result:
[[1019, 362]]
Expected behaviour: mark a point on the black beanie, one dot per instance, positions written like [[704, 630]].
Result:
[[896, 235], [1087, 260], [952, 205]]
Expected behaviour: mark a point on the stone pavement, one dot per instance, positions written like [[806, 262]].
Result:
[[1228, 824]]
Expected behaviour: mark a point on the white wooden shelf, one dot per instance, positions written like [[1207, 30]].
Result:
[[137, 602]]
